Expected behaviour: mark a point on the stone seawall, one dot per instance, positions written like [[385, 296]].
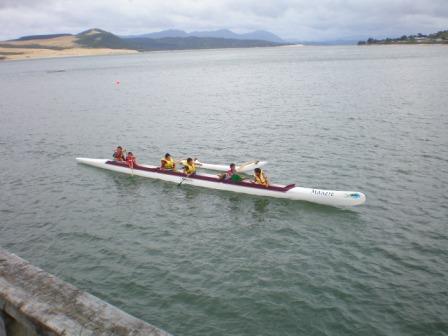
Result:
[[35, 303]]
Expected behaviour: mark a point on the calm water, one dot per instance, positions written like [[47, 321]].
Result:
[[203, 262]]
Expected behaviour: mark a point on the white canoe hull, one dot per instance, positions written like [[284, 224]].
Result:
[[327, 197]]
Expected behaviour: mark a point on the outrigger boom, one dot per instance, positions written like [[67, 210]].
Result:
[[290, 191]]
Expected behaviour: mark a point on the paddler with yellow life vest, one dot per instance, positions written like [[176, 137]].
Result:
[[189, 167], [260, 177], [167, 163]]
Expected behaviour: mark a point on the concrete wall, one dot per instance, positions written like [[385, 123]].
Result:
[[35, 303]]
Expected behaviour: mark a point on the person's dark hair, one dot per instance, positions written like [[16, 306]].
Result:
[[232, 165], [130, 153], [257, 170], [167, 154], [189, 159], [119, 147]]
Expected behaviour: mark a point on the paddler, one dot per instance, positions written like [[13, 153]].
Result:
[[131, 160], [260, 177], [231, 174], [118, 154], [189, 167], [167, 163]]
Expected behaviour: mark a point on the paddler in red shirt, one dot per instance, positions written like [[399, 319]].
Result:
[[118, 154], [130, 160], [229, 173]]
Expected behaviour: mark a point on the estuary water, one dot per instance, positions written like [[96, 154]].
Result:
[[202, 262]]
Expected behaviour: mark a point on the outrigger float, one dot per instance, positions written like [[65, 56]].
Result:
[[290, 191], [242, 168]]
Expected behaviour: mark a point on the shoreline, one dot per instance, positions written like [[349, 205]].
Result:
[[402, 44], [23, 54], [20, 54], [80, 52]]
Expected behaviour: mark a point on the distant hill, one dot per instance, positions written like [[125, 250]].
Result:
[[263, 36], [182, 43], [98, 38], [259, 35], [40, 37], [92, 38], [160, 34], [100, 42], [440, 37]]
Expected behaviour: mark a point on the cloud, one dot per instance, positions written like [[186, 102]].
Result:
[[23, 3], [301, 19]]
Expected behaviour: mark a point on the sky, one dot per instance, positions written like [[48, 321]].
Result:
[[303, 20]]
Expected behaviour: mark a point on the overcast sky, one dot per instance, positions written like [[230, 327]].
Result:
[[310, 20]]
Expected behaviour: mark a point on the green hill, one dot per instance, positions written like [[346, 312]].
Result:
[[98, 38]]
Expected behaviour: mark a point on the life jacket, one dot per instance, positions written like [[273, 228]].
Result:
[[189, 169], [118, 156], [130, 160], [168, 164], [261, 179]]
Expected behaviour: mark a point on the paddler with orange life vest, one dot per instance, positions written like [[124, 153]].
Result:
[[131, 160], [167, 163], [118, 154], [260, 177], [189, 167]]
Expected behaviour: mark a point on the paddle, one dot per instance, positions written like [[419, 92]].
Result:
[[241, 166], [180, 161], [183, 179], [195, 161]]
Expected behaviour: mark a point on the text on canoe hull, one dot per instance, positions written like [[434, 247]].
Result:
[[326, 193]]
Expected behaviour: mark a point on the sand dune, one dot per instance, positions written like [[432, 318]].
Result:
[[59, 42], [28, 53], [63, 46]]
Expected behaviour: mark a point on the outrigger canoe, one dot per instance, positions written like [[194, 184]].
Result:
[[290, 191]]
